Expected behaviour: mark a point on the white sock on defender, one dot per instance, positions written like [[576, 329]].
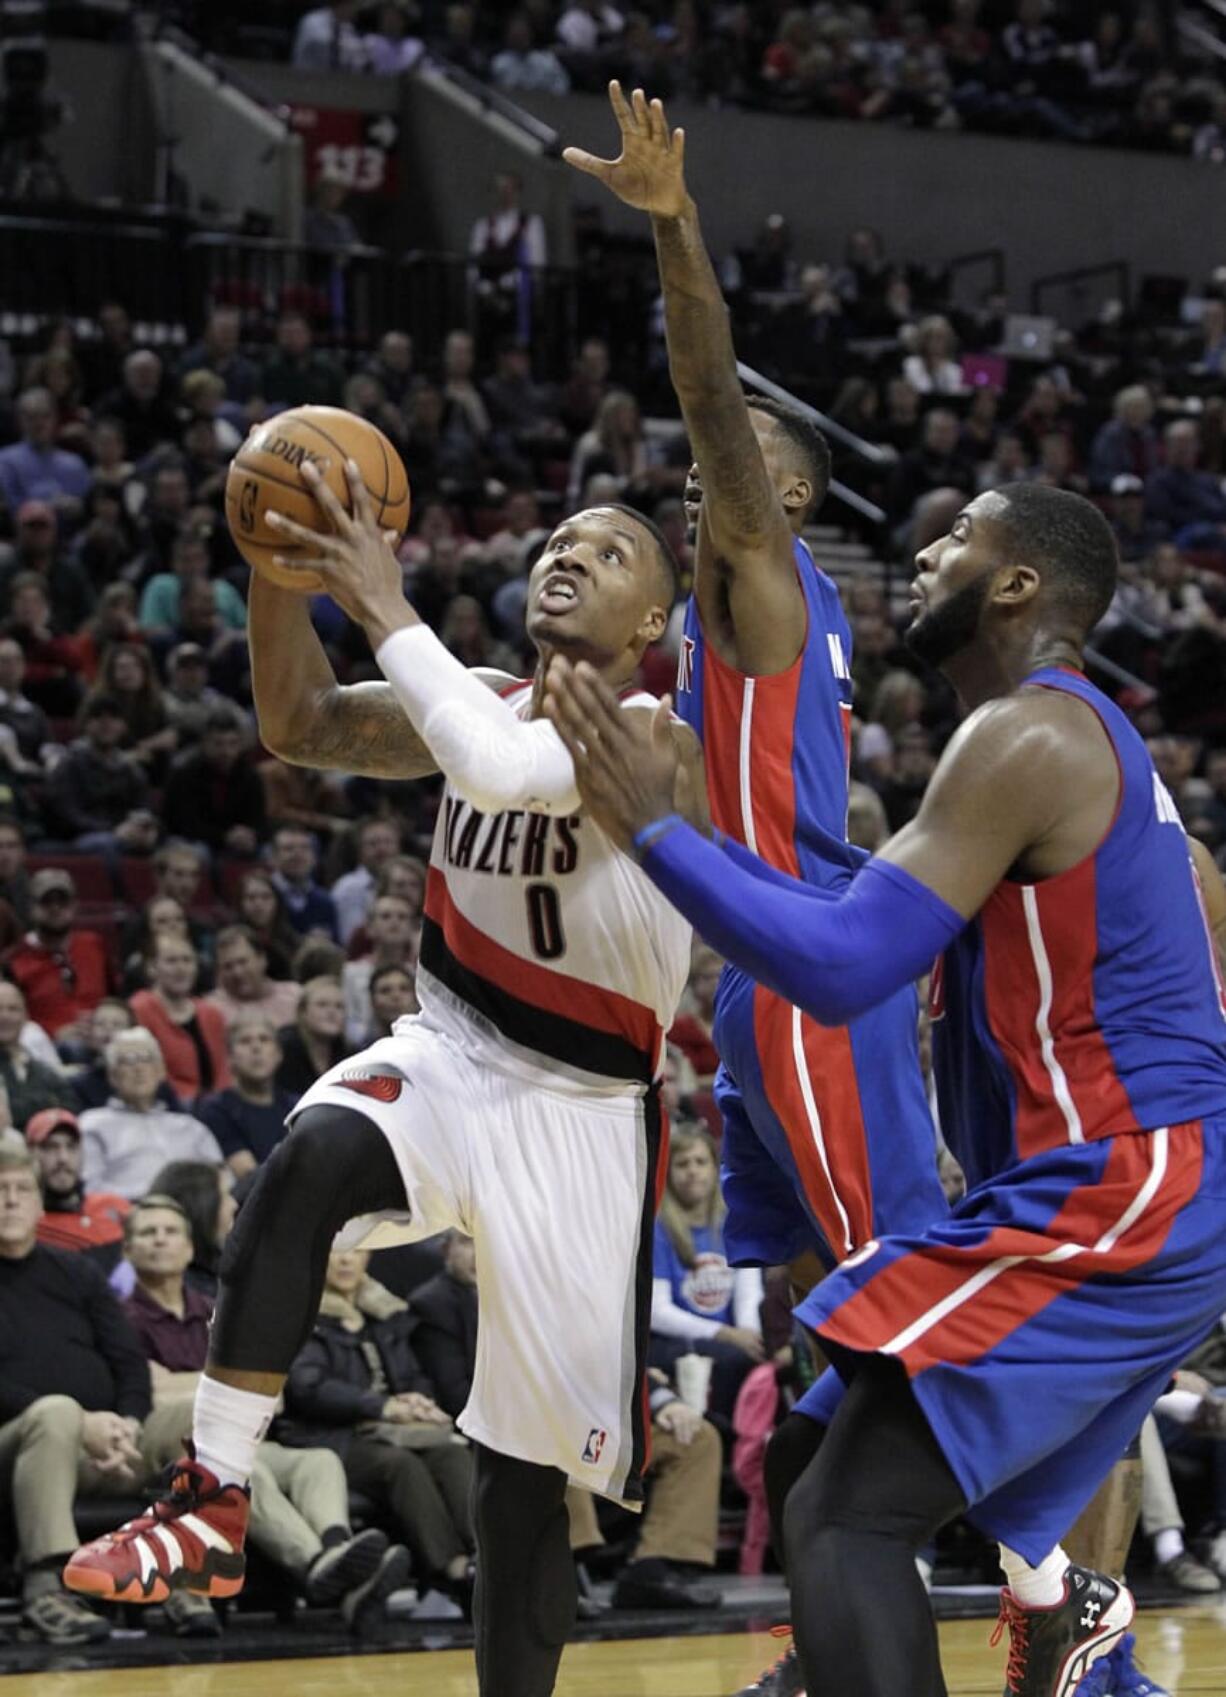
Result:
[[227, 1429], [1039, 1587]]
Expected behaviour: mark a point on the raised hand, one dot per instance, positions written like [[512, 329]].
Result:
[[649, 173]]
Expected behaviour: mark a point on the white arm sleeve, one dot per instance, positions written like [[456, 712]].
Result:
[[672, 1321], [493, 758]]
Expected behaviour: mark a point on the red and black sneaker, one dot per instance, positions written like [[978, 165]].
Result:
[[1050, 1650], [191, 1540]]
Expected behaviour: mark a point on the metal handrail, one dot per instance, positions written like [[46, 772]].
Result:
[[491, 99], [1080, 274], [827, 425], [1204, 38]]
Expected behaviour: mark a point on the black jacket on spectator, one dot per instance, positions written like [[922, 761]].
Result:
[[328, 1392], [93, 792], [297, 1071], [201, 804], [62, 1333], [446, 1337]]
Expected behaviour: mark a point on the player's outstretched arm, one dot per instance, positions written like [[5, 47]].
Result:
[[756, 587], [982, 814], [305, 716]]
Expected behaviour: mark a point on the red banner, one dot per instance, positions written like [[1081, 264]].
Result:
[[358, 148]]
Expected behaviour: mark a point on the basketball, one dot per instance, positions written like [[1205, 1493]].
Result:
[[266, 474]]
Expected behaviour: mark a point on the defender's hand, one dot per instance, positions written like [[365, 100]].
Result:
[[626, 763], [356, 563], [649, 173]]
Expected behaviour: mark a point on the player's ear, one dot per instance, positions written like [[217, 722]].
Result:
[[798, 496], [1017, 584], [651, 629]]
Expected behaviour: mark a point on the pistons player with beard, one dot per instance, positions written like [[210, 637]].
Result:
[[520, 1106], [828, 1139]]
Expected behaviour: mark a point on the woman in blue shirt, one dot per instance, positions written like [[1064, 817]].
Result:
[[700, 1304]]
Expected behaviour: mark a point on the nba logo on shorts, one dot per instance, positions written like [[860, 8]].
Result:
[[594, 1446]]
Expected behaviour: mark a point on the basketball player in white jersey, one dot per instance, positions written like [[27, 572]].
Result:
[[519, 1106]]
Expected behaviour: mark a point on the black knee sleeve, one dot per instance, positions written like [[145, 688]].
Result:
[[334, 1165], [792, 1446], [526, 1587]]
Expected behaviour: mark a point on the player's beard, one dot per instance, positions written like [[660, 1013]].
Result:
[[936, 636]]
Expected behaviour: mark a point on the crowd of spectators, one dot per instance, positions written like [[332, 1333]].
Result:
[[193, 931], [1114, 73]]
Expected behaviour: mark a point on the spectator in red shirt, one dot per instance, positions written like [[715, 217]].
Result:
[[62, 972], [190, 1032], [692, 1031], [71, 1219]]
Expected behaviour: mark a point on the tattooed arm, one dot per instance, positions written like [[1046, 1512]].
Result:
[[305, 716], [748, 592]]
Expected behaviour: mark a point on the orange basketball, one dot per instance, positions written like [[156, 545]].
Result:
[[266, 473]]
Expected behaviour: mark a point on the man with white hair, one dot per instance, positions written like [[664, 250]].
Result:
[[142, 404], [129, 1141], [34, 469]]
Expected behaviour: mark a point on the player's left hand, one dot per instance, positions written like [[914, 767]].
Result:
[[356, 562], [626, 763], [679, 1419], [649, 173]]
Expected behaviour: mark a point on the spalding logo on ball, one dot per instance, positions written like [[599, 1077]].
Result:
[[266, 474]]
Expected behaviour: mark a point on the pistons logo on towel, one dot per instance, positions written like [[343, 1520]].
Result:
[[382, 1086], [595, 1445]]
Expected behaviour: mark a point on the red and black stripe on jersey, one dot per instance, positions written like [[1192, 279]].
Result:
[[562, 1018]]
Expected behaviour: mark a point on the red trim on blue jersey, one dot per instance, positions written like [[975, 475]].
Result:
[[831, 1069], [771, 780], [1067, 914], [908, 1289], [574, 999]]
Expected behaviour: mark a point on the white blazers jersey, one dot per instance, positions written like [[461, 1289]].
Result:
[[547, 945]]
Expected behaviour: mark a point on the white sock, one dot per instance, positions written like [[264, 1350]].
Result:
[[227, 1429], [1039, 1587], [1168, 1544]]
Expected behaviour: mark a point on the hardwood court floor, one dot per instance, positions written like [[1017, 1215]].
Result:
[[1185, 1650]]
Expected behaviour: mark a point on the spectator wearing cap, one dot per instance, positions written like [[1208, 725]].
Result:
[[74, 1395], [244, 988], [34, 469], [28, 1084], [128, 1142], [62, 972], [1137, 534], [97, 794], [248, 1119], [190, 1032], [72, 1219], [37, 550], [213, 795], [378, 841], [188, 697], [23, 717]]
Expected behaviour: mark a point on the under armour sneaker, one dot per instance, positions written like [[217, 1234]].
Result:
[[784, 1679], [1051, 1650], [191, 1540]]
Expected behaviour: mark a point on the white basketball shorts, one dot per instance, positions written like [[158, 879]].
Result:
[[559, 1192]]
